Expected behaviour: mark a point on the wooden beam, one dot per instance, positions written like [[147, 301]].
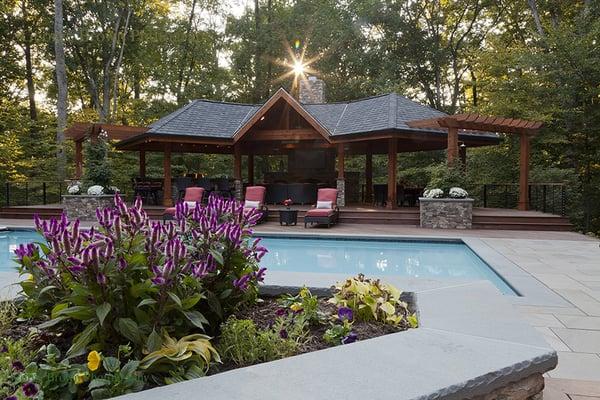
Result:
[[142, 163], [452, 145], [282, 134], [251, 169], [524, 173], [237, 162], [340, 159], [78, 159], [392, 200], [167, 199], [369, 175]]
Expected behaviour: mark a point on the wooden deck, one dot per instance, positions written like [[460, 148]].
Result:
[[483, 218]]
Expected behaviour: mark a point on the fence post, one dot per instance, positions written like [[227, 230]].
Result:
[[44, 193], [544, 198], [27, 193], [7, 194], [562, 200]]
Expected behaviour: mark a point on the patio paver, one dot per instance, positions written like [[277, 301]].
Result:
[[579, 340]]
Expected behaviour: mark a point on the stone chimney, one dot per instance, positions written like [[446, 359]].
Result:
[[312, 91]]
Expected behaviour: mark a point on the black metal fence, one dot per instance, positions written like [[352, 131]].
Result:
[[31, 193], [545, 197]]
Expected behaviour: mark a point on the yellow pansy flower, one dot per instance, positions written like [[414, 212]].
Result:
[[94, 359], [29, 278], [296, 307], [304, 293]]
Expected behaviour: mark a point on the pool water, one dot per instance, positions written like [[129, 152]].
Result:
[[9, 240], [436, 260]]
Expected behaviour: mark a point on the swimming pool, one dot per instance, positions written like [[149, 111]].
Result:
[[418, 259]]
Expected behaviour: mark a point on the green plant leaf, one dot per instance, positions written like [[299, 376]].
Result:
[[129, 328], [51, 323], [98, 383], [214, 304], [83, 339], [146, 302], [129, 368], [77, 312], [154, 341], [191, 301], [58, 308], [175, 298], [225, 293], [47, 289], [102, 311], [217, 256], [196, 318], [111, 364]]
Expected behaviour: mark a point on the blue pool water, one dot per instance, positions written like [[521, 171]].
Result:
[[437, 260], [9, 240]]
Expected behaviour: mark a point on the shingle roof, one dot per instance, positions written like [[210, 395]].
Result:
[[207, 118]]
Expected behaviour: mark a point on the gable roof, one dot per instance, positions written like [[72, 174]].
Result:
[[222, 120]]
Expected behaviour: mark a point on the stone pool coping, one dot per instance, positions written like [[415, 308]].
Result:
[[471, 342]]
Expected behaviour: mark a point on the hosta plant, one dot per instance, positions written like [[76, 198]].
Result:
[[179, 360], [129, 279], [370, 299]]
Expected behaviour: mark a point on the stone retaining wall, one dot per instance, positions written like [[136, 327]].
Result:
[[529, 388], [446, 213], [83, 207]]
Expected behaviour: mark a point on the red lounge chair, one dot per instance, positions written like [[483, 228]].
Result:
[[328, 215], [256, 194], [192, 195]]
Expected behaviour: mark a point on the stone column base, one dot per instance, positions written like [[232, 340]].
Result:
[[237, 189], [446, 213], [341, 194], [84, 206]]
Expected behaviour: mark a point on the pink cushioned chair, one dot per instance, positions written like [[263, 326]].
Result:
[[327, 216], [192, 195], [257, 194]]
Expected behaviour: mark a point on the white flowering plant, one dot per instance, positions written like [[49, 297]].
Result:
[[95, 190], [74, 188], [458, 193], [433, 194]]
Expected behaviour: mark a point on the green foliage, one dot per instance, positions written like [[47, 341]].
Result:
[[97, 169], [447, 176], [337, 332], [13, 351], [8, 314], [304, 305], [370, 300], [242, 343]]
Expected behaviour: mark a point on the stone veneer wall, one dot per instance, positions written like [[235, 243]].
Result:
[[238, 189], [312, 91], [446, 213], [83, 207], [529, 388]]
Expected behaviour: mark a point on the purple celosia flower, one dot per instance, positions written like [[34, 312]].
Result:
[[122, 264], [345, 313], [18, 366], [158, 280], [351, 338], [30, 389], [101, 279], [242, 283], [260, 274], [283, 334], [77, 268]]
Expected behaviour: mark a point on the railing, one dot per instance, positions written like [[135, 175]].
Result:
[[545, 197], [31, 193]]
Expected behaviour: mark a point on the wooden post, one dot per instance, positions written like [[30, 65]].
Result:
[[524, 173], [237, 162], [250, 169], [452, 145], [341, 157], [167, 200], [392, 200], [462, 151], [78, 159], [369, 176], [142, 163]]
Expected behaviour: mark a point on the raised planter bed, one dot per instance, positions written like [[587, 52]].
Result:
[[446, 213], [84, 206]]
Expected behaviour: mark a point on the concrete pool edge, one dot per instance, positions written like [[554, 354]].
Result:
[[482, 346]]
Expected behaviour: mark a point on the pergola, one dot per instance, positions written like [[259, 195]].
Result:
[[525, 129], [387, 124]]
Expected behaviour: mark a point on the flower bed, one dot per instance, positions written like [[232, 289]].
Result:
[[132, 304]]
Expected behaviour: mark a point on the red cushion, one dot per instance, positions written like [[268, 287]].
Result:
[[193, 194], [256, 193], [319, 212], [170, 210], [327, 195]]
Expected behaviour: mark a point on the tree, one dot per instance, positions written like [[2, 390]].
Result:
[[61, 84]]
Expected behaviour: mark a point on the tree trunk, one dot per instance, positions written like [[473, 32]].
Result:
[[536, 18], [184, 51], [257, 55], [118, 65], [61, 84], [28, 63], [269, 61], [474, 87], [105, 107]]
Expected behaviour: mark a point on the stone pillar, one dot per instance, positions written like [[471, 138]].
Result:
[[446, 213], [238, 189], [341, 194], [78, 159], [312, 91]]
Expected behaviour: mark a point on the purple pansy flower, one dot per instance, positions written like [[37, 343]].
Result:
[[18, 366], [281, 312], [345, 313], [283, 334], [29, 389], [351, 338]]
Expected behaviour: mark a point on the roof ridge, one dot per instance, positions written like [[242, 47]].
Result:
[[230, 102], [174, 114], [393, 111], [340, 118], [350, 101]]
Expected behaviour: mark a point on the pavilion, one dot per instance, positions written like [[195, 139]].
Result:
[[314, 135]]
